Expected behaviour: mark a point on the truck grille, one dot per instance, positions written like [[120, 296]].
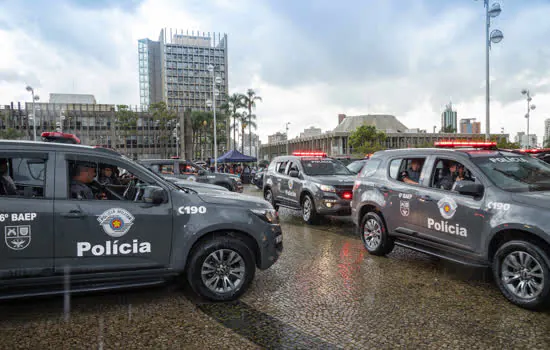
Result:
[[344, 191]]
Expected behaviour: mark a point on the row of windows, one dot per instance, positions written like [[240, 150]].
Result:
[[193, 51]]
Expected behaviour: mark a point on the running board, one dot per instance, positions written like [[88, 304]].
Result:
[[440, 254], [97, 287]]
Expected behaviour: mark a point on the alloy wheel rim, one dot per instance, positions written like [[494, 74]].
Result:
[[223, 271], [307, 209], [372, 234], [522, 274]]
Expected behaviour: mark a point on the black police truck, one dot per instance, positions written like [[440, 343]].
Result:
[[59, 217], [470, 203]]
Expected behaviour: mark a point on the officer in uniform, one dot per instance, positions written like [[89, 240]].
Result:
[[83, 174], [412, 176], [7, 186]]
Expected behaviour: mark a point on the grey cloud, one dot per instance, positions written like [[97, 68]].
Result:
[[9, 76]]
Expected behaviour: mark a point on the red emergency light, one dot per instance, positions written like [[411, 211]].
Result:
[[309, 154], [59, 137], [347, 195], [535, 150], [473, 144]]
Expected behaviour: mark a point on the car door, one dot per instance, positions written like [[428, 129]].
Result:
[[26, 218], [293, 185], [279, 182], [401, 213], [451, 218], [112, 234]]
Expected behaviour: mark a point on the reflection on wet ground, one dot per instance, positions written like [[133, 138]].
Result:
[[325, 292]]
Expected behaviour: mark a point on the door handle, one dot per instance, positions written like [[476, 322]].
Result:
[[74, 214], [425, 198], [383, 188]]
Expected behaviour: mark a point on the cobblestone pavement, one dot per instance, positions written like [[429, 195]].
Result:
[[325, 292]]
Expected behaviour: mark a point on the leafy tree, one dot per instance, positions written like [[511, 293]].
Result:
[[502, 142], [249, 100], [366, 139], [199, 121], [448, 129], [8, 133], [126, 124], [164, 119], [426, 144]]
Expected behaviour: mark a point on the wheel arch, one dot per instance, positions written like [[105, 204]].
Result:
[[245, 237], [514, 233], [369, 207]]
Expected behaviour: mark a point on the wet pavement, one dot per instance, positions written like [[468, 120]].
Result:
[[325, 292]]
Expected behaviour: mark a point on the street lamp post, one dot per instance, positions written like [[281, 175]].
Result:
[[34, 98], [287, 139], [530, 108], [495, 36], [215, 80]]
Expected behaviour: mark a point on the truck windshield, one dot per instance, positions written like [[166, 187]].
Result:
[[314, 167], [516, 173]]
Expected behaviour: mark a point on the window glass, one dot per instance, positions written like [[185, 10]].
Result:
[[188, 169], [103, 181], [316, 167], [355, 167], [370, 167], [282, 167], [448, 172], [293, 166], [516, 173], [407, 170], [166, 169], [23, 177]]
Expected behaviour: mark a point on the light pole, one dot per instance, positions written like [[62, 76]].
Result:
[[215, 92], [287, 139], [530, 108], [34, 98], [495, 36]]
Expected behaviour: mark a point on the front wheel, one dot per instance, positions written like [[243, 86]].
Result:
[[221, 269], [268, 196], [309, 213], [522, 273], [375, 236]]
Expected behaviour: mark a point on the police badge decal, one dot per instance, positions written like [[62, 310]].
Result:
[[404, 208], [116, 222], [17, 237]]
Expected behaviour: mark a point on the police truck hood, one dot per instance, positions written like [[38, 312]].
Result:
[[537, 199], [233, 199], [334, 180]]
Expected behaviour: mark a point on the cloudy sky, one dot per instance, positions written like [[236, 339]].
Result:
[[309, 60]]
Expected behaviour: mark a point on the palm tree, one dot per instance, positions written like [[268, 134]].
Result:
[[233, 104], [249, 101]]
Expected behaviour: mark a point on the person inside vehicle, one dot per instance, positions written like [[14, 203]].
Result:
[[412, 175], [448, 176], [108, 176], [7, 186], [83, 175]]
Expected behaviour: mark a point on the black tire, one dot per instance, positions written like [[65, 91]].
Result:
[[375, 236], [537, 300], [203, 252], [310, 217], [268, 196]]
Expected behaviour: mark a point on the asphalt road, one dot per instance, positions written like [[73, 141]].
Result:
[[325, 292]]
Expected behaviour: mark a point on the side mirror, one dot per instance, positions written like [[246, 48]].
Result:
[[294, 173], [154, 195], [469, 188]]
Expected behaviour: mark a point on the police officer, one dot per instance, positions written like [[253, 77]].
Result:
[[108, 177], [7, 186], [449, 176], [84, 173], [412, 176]]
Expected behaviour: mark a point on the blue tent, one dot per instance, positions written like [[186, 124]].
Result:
[[235, 156]]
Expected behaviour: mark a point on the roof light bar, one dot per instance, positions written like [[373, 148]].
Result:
[[52, 136], [309, 154], [456, 144]]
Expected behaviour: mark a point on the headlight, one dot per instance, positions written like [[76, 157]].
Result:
[[268, 215], [326, 188]]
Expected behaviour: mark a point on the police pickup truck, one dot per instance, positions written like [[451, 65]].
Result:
[[311, 182], [467, 202], [59, 217], [185, 169]]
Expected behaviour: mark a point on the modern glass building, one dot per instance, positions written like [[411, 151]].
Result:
[[174, 69], [449, 118]]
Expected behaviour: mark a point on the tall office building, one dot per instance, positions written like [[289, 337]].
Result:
[[468, 126], [449, 118], [174, 69]]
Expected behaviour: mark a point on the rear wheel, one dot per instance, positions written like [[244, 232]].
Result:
[[522, 273], [309, 213], [221, 269], [375, 236]]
